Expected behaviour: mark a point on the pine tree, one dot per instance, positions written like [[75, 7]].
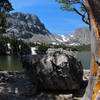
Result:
[[5, 7]]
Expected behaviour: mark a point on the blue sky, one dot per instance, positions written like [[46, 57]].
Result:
[[54, 19]]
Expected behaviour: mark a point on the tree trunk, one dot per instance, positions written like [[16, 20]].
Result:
[[93, 89]]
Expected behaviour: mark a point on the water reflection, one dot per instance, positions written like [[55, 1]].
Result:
[[85, 57], [11, 63]]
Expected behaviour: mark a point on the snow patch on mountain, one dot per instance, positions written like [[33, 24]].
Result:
[[59, 40], [80, 36], [64, 38]]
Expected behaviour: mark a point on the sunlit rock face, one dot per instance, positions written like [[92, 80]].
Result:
[[57, 71], [80, 36], [27, 26]]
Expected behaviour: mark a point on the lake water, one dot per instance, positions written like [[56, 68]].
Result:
[[12, 63], [85, 58]]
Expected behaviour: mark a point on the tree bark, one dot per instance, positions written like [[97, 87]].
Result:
[[93, 88]]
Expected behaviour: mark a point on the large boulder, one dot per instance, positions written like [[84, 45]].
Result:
[[56, 71]]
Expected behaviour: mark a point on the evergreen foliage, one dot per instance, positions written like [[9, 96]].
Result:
[[3, 46], [5, 6], [25, 48], [20, 47], [74, 5], [14, 45], [42, 48]]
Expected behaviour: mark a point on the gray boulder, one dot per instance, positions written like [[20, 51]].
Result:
[[58, 71]]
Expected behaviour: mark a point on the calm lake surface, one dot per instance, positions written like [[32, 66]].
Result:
[[85, 58], [12, 63]]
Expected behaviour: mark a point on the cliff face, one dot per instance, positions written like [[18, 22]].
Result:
[[78, 37], [27, 26], [82, 35]]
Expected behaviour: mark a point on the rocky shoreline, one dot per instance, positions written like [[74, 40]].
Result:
[[58, 75], [16, 86]]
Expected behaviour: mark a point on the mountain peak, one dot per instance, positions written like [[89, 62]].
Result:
[[26, 26], [80, 36]]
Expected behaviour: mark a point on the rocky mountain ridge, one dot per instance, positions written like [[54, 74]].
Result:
[[80, 36], [27, 26]]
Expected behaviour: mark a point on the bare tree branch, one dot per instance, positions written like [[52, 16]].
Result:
[[86, 20]]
